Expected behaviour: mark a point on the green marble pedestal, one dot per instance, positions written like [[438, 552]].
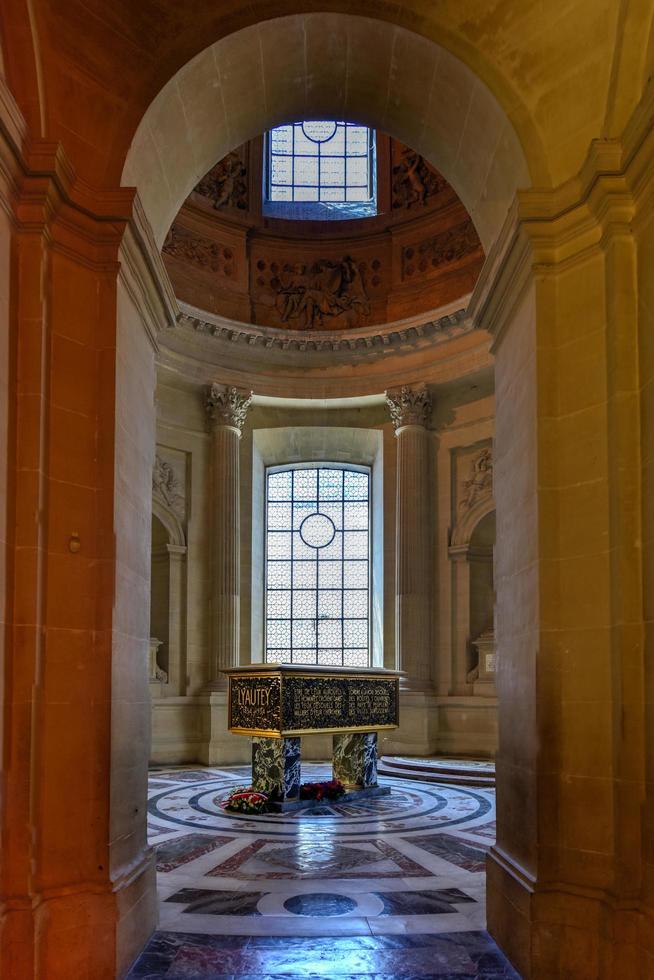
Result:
[[276, 767], [355, 759]]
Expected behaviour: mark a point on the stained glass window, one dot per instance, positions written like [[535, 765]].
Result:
[[322, 162], [318, 565]]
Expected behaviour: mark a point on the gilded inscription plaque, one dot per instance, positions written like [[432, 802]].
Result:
[[341, 703], [289, 701], [254, 703]]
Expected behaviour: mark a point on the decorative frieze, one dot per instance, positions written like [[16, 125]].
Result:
[[203, 252], [445, 247], [226, 405], [442, 329], [409, 406], [310, 295]]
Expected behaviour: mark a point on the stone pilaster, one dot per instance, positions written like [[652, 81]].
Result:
[[410, 410], [226, 410]]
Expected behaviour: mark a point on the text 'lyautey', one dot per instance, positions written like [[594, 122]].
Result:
[[258, 697]]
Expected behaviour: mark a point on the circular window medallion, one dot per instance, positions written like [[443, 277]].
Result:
[[319, 130], [317, 530]]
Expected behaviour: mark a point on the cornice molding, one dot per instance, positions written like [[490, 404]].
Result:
[[547, 230], [376, 342]]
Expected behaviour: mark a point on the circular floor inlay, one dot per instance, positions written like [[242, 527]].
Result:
[[317, 530], [319, 904]]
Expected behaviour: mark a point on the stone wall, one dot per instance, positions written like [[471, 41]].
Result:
[[450, 717]]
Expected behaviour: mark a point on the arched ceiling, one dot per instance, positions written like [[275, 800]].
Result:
[[85, 71], [322, 66]]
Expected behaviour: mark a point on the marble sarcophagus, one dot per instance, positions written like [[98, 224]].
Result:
[[278, 703]]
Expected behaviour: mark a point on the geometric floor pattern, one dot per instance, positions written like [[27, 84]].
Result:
[[382, 888]]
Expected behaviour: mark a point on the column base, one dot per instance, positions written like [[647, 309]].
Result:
[[555, 932]]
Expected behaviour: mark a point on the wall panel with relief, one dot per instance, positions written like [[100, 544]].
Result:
[[322, 258]]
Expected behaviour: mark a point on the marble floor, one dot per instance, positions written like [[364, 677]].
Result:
[[381, 888]]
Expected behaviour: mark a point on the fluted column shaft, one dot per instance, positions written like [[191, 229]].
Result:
[[410, 411], [227, 409]]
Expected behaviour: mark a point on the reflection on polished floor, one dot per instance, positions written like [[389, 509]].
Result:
[[383, 888]]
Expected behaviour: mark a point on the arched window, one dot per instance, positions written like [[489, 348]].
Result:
[[320, 168], [318, 565]]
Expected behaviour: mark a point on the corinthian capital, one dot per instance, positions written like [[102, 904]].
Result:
[[227, 406], [409, 406]]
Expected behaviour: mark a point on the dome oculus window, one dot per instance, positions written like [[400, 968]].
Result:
[[318, 565], [320, 168]]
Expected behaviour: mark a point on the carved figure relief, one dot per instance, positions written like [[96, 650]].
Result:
[[447, 246], [166, 484], [308, 296], [204, 252], [414, 181], [480, 482], [226, 184]]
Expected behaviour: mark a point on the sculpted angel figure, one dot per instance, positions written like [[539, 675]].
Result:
[[481, 482]]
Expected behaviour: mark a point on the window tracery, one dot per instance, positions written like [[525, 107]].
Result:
[[317, 565]]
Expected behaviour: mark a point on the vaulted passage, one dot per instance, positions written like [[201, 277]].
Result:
[[325, 346]]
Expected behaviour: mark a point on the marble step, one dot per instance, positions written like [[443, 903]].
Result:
[[464, 772]]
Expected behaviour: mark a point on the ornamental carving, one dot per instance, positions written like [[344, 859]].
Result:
[[226, 184], [448, 246], [168, 487], [409, 406], [203, 252], [313, 296], [227, 405], [480, 482], [414, 181]]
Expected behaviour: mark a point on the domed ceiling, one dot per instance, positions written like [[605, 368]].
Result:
[[419, 253]]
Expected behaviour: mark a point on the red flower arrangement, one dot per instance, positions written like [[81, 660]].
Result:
[[246, 800], [332, 789]]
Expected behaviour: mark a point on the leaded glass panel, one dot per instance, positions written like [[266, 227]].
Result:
[[317, 565], [320, 160]]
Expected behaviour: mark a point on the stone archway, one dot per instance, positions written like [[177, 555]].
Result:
[[558, 293]]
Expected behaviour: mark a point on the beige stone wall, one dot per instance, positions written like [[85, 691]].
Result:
[[277, 432]]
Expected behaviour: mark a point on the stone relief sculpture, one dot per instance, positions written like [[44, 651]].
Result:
[[480, 483], [201, 251], [166, 484], [226, 184], [414, 180], [320, 292], [447, 246]]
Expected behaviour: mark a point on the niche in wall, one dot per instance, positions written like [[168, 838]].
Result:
[[482, 594], [160, 596]]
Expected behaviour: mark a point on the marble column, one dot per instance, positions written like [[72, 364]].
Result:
[[410, 410], [226, 410]]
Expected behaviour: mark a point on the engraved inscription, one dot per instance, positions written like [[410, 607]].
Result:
[[338, 702], [255, 703]]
